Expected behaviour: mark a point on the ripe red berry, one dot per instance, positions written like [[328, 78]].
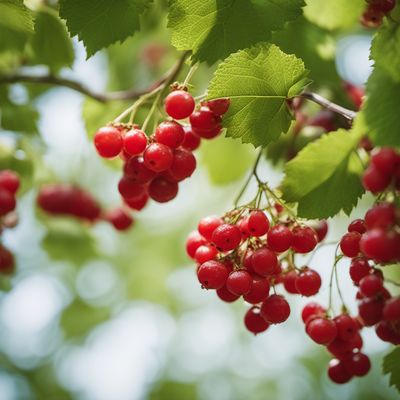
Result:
[[212, 274], [129, 189], [370, 310], [108, 141], [193, 242], [383, 5], [218, 106], [346, 326], [225, 295], [259, 291], [382, 215], [384, 160], [179, 104], [386, 332], [162, 190], [321, 229], [207, 226], [359, 268], [372, 17], [264, 262], [257, 223], [136, 170], [239, 282], [337, 372], [137, 203], [254, 322], [358, 225], [374, 181], [311, 310], [371, 285], [279, 238], [191, 141], [358, 364], [83, 205], [289, 282], [244, 227], [7, 201], [134, 142], [183, 165], [158, 157], [321, 330], [380, 245], [226, 237], [205, 253], [170, 133], [350, 244], [308, 282], [275, 309], [119, 219], [9, 180], [391, 311], [304, 239], [204, 120]]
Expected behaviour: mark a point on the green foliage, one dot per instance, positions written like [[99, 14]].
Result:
[[381, 109], [334, 14], [325, 176], [258, 81], [51, 44], [391, 366], [104, 22], [214, 29], [20, 118], [16, 25]]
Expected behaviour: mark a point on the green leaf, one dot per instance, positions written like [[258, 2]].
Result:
[[213, 30], [16, 25], [226, 160], [19, 118], [51, 44], [381, 109], [258, 81], [324, 178], [391, 366], [385, 48], [334, 14], [103, 22]]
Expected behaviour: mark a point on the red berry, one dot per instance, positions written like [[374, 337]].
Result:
[[170, 133], [350, 244], [207, 226], [162, 190], [83, 205], [275, 309], [308, 282], [371, 285], [384, 160], [383, 5], [391, 311], [108, 141], [158, 157], [218, 106], [304, 239], [204, 120], [9, 180], [372, 17], [279, 238], [358, 364], [321, 330], [321, 229], [346, 326], [264, 262], [358, 225], [205, 253], [129, 189], [383, 215], [136, 170], [289, 282], [257, 223], [311, 310], [259, 291], [244, 227], [254, 322], [193, 242], [370, 310], [183, 165], [137, 203], [359, 268], [7, 201], [212, 274], [7, 263], [386, 332], [119, 219], [380, 245], [191, 141], [239, 282], [135, 142], [226, 237], [225, 295], [337, 372], [179, 104], [374, 181]]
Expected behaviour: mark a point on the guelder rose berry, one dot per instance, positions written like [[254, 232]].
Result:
[[226, 237]]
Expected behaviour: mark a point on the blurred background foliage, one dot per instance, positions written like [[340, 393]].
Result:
[[95, 314]]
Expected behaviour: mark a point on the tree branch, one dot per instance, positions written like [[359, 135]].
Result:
[[81, 88], [316, 98]]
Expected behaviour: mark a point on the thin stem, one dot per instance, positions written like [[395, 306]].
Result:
[[323, 102], [152, 109], [192, 70]]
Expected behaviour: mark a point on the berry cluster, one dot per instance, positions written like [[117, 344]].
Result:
[[153, 166], [9, 185], [376, 11], [70, 200]]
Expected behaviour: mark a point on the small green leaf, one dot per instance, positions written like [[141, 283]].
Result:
[[16, 25], [258, 81], [391, 366], [213, 30], [381, 109], [385, 49], [103, 22], [18, 118], [334, 14], [51, 44], [324, 178]]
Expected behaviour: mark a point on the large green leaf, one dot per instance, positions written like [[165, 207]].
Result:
[[213, 29], [324, 178], [258, 81], [16, 25], [19, 118], [391, 366], [381, 109], [51, 44], [334, 14], [103, 22], [385, 48]]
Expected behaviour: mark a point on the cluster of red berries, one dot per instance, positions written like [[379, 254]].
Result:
[[241, 255], [376, 11], [9, 185], [153, 166], [71, 200]]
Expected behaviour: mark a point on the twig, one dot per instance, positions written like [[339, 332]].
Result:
[[322, 101]]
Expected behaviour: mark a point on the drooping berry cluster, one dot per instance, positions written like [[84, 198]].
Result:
[[376, 11], [9, 185], [153, 166]]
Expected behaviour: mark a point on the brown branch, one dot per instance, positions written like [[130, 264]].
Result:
[[81, 88], [325, 103]]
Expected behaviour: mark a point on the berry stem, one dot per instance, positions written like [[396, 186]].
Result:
[[189, 75]]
